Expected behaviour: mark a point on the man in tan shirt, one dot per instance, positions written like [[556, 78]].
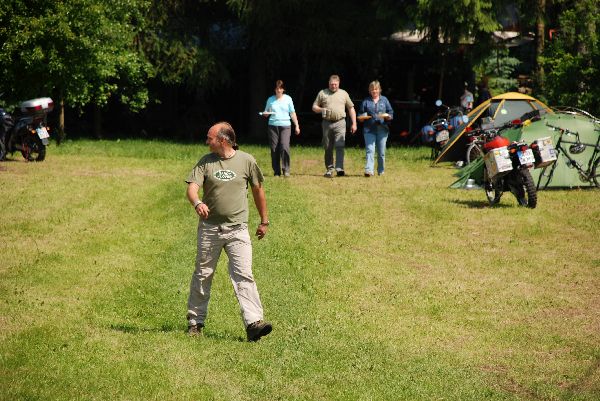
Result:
[[332, 104]]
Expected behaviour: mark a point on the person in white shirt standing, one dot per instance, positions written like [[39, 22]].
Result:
[[280, 110]]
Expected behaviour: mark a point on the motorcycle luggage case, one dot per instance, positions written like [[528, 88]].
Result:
[[38, 106], [544, 153], [497, 161]]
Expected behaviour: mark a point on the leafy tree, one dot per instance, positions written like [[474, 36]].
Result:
[[177, 41], [572, 59], [448, 24], [497, 70], [452, 20], [79, 51]]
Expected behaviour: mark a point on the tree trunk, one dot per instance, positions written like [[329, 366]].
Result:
[[97, 121], [61, 121], [442, 75], [540, 39], [300, 88], [257, 95]]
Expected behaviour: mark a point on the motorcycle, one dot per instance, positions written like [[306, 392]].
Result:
[[29, 132], [441, 127], [506, 168]]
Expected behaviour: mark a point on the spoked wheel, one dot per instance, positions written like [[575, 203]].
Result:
[[473, 152], [493, 190], [33, 149], [524, 189], [595, 177]]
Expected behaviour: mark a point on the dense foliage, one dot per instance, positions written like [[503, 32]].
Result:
[[133, 52], [572, 58], [81, 51]]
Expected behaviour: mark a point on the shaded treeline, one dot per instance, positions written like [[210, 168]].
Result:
[[170, 68]]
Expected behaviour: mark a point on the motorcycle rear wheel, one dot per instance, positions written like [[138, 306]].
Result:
[[493, 190], [525, 190], [33, 149]]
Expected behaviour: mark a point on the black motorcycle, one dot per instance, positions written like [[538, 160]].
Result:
[[28, 133]]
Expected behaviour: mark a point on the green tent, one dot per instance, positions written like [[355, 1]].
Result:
[[562, 173]]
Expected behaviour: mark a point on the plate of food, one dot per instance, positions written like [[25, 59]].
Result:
[[363, 117], [384, 115]]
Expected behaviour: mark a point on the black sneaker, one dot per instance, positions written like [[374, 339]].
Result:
[[195, 330], [258, 329], [328, 174], [341, 173]]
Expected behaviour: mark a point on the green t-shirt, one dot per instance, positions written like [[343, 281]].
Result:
[[224, 184]]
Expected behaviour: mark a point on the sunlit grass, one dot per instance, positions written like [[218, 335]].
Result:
[[392, 287]]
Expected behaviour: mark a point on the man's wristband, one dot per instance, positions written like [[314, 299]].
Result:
[[198, 202], [266, 223]]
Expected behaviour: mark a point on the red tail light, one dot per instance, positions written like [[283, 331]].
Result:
[[469, 129], [34, 108]]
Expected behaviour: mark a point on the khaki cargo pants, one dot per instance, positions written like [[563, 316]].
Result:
[[236, 242]]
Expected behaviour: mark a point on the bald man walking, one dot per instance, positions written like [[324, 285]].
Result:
[[224, 176]]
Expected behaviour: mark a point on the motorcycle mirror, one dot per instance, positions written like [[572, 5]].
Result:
[[438, 103]]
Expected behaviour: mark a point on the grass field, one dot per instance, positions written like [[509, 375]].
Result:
[[387, 288]]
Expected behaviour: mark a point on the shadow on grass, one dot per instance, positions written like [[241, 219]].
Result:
[[477, 204], [169, 328], [129, 328]]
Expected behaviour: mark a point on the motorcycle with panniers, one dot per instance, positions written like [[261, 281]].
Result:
[[507, 165], [28, 133]]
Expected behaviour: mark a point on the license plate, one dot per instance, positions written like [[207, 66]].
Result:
[[42, 132], [442, 136], [526, 157]]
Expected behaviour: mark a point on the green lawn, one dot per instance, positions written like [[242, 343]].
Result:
[[386, 288]]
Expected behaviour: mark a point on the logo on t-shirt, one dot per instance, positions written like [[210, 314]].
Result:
[[224, 175]]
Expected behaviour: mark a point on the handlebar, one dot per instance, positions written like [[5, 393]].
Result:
[[563, 130]]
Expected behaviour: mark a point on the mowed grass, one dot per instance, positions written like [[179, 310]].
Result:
[[387, 288]]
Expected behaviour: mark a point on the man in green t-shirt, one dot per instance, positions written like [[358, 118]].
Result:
[[224, 176], [332, 103]]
